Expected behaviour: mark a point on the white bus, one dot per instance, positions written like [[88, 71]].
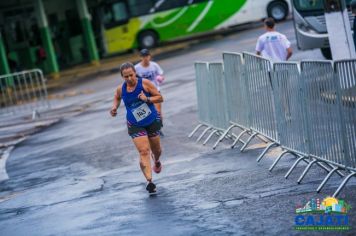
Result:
[[310, 25], [127, 24]]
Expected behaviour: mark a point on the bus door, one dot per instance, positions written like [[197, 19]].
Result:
[[116, 28]]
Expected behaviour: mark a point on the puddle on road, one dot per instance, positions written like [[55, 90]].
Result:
[[232, 203], [207, 205]]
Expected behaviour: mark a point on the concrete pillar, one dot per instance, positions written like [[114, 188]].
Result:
[[88, 31], [46, 38], [4, 65]]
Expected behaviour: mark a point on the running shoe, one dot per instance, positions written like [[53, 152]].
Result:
[[151, 187], [157, 166]]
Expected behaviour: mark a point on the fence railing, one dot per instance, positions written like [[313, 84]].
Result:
[[306, 108], [22, 92]]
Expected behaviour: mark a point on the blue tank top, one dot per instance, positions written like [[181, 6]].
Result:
[[138, 112]]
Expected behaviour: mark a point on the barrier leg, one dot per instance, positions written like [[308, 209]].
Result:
[[202, 134], [263, 139], [326, 179], [238, 138], [305, 171], [278, 158], [210, 135], [342, 175], [35, 114], [248, 141], [232, 136], [195, 130], [265, 151], [223, 136], [294, 165], [343, 184]]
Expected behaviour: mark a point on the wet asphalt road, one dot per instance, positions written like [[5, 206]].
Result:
[[81, 175]]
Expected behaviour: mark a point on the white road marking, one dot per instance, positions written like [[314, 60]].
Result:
[[3, 173]]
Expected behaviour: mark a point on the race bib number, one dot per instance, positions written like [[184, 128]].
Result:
[[141, 112]]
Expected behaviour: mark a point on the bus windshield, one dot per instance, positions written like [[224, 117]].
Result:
[[308, 5], [310, 25], [311, 5]]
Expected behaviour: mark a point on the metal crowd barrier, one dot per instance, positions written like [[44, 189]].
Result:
[[289, 110], [309, 109], [201, 78], [236, 92], [345, 71], [293, 116], [22, 92], [213, 112], [261, 101], [287, 88]]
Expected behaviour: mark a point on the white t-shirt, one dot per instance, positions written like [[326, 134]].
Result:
[[149, 72], [273, 45]]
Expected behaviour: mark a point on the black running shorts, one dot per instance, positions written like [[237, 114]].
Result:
[[151, 130]]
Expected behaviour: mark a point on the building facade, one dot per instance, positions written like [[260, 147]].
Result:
[[46, 34]]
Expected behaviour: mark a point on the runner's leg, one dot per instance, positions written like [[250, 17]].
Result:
[[155, 145], [143, 147]]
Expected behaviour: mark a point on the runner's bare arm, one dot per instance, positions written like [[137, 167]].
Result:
[[289, 52], [155, 97], [116, 101]]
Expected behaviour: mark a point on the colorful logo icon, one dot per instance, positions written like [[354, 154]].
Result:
[[327, 214], [328, 205]]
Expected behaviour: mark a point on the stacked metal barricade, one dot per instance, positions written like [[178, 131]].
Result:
[[23, 92], [306, 108]]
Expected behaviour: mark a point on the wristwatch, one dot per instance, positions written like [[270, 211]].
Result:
[[148, 100]]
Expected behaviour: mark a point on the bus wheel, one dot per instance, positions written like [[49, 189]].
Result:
[[326, 53], [278, 10], [147, 39]]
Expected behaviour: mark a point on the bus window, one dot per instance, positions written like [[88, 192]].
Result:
[[120, 11], [161, 5], [167, 5], [196, 1], [115, 14], [140, 7], [309, 5]]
